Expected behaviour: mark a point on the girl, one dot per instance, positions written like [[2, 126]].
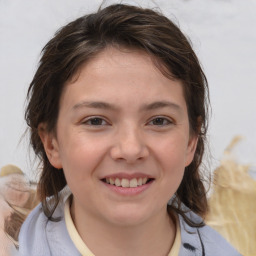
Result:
[[118, 116]]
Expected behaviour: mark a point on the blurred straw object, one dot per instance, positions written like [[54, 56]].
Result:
[[232, 205], [10, 169], [17, 198], [10, 176]]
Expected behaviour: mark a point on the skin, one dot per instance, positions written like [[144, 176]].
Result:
[[141, 129]]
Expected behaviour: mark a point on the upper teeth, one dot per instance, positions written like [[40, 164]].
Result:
[[125, 183]]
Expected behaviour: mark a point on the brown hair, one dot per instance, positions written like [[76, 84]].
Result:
[[126, 26]]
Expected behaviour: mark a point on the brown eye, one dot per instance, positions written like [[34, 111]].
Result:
[[160, 121], [95, 121]]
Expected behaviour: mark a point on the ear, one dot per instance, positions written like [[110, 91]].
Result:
[[192, 144], [51, 146]]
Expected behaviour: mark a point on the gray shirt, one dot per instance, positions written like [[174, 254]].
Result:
[[42, 237]]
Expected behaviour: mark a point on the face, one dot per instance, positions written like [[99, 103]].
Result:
[[122, 138]]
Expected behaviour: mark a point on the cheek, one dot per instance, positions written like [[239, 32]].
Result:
[[172, 160], [172, 152], [81, 156]]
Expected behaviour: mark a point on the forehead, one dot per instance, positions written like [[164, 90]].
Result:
[[115, 73], [123, 59]]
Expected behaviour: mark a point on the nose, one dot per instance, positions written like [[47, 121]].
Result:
[[129, 146]]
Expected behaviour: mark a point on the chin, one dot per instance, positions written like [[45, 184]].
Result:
[[128, 217]]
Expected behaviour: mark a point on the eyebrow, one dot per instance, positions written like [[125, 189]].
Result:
[[94, 104], [161, 104], [108, 106]]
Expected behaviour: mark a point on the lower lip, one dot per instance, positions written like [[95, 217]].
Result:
[[129, 191]]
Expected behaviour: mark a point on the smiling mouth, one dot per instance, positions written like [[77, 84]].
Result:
[[125, 183]]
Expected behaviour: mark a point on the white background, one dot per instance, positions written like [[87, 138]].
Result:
[[223, 33]]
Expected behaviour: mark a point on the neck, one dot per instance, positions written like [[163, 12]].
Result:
[[154, 237]]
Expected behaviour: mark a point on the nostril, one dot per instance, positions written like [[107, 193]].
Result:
[[129, 150]]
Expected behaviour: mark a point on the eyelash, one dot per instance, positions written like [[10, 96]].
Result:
[[165, 121], [99, 121]]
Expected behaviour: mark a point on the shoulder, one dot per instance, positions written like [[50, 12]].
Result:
[[39, 236], [32, 237], [203, 240]]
